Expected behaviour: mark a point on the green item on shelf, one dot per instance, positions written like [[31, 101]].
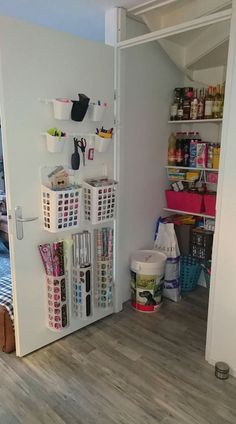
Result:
[[56, 133]]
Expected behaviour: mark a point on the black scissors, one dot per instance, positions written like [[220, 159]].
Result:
[[82, 143]]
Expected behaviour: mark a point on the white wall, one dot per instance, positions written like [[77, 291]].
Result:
[[221, 336], [148, 80]]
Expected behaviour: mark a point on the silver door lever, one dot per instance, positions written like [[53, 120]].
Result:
[[20, 220]]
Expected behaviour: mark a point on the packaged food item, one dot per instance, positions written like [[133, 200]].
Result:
[[201, 159], [210, 156], [192, 153], [216, 156], [171, 149], [192, 176], [212, 177]]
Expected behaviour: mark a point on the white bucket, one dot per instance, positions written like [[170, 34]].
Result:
[[62, 108], [55, 144], [96, 112], [147, 273], [102, 144]]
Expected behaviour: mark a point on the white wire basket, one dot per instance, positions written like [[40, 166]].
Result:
[[61, 209]]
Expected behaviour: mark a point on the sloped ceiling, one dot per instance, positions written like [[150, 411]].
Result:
[[193, 50]]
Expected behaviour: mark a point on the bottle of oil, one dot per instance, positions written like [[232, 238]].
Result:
[[171, 150]]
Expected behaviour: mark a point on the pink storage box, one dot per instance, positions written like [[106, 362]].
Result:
[[210, 204], [184, 201]]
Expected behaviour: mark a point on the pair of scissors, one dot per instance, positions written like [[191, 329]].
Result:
[[82, 143]]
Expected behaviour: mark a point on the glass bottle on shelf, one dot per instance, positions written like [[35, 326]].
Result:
[[186, 145], [188, 94], [171, 150], [174, 110], [179, 149], [194, 106], [222, 95], [217, 103], [180, 111], [208, 104], [200, 110]]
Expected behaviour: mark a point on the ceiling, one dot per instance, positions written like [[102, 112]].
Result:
[[84, 18]]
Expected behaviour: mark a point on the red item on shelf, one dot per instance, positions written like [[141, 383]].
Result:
[[185, 201], [210, 204]]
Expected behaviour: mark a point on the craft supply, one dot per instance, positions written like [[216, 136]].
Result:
[[56, 170], [91, 154], [56, 133], [75, 158], [58, 259], [82, 143], [46, 255]]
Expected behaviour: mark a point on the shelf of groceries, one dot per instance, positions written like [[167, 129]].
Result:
[[193, 163], [202, 215], [196, 121], [192, 169]]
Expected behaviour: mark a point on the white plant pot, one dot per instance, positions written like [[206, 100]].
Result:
[[96, 112], [62, 108], [102, 144], [55, 144]]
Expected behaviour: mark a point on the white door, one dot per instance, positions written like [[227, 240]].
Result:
[[39, 63]]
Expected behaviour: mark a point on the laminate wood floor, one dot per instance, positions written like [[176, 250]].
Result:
[[130, 368]]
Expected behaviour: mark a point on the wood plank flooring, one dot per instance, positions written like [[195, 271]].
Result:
[[130, 368]]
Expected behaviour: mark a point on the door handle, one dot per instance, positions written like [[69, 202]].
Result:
[[19, 222], [27, 219]]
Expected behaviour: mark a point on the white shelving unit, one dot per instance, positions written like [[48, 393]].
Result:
[[197, 121], [191, 169], [188, 213]]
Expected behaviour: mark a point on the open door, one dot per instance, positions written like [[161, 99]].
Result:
[[38, 64]]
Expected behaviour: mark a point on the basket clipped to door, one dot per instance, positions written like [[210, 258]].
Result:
[[100, 198], [190, 270]]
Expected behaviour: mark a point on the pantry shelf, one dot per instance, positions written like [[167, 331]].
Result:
[[191, 169], [188, 213], [196, 121]]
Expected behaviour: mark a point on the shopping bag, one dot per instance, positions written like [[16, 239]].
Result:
[[166, 242]]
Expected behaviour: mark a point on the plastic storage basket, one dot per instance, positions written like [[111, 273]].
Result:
[[57, 303], [104, 286], [190, 270], [81, 292], [201, 243], [100, 202], [61, 209]]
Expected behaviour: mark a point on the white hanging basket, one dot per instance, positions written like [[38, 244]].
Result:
[[102, 144], [96, 112], [62, 109], [55, 144]]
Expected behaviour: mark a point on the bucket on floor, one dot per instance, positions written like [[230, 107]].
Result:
[[147, 275]]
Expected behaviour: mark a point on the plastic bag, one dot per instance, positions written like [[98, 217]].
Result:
[[166, 242]]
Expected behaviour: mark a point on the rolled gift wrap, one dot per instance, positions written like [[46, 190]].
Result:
[[46, 255], [58, 259]]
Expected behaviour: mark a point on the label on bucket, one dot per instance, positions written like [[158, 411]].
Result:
[[146, 291]]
